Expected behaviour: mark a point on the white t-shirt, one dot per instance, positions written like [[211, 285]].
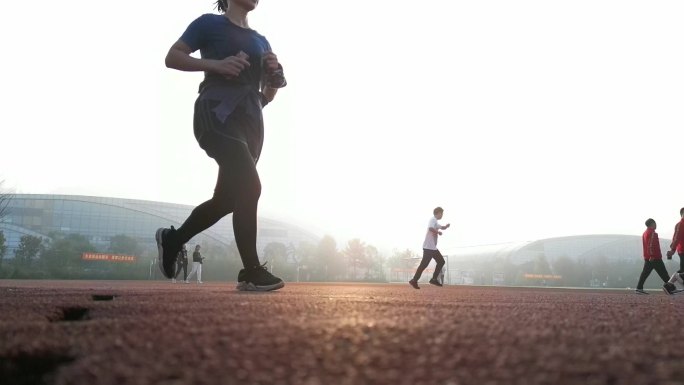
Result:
[[431, 238]]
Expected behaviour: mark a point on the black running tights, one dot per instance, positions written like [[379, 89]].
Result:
[[237, 191]]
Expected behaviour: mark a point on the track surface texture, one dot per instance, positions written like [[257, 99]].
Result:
[[117, 333]]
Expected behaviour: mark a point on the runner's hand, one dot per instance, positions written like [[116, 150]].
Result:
[[231, 66], [270, 61], [273, 71]]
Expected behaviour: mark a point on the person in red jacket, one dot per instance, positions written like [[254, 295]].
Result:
[[678, 242], [653, 259]]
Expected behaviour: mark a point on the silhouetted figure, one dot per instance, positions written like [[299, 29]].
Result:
[[182, 263]]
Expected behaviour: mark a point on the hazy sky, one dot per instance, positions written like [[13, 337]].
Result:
[[523, 119]]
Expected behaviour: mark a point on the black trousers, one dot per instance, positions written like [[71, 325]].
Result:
[[238, 186], [429, 255], [183, 266], [659, 266], [681, 263]]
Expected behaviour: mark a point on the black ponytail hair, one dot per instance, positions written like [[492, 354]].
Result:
[[222, 5]]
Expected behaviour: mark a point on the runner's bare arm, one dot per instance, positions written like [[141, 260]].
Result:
[[271, 65], [179, 58], [269, 93]]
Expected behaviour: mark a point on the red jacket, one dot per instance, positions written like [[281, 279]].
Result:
[[678, 238], [651, 245]]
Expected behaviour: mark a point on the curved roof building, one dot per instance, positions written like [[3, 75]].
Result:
[[100, 218]]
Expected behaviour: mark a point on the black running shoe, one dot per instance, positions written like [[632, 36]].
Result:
[[242, 279], [669, 288], [641, 292], [258, 279], [168, 251], [435, 282], [414, 284]]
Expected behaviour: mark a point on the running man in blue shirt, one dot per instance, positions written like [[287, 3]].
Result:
[[241, 75]]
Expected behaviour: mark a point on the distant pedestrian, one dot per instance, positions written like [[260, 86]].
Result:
[[430, 250], [196, 265], [182, 263], [653, 259], [677, 244], [153, 269]]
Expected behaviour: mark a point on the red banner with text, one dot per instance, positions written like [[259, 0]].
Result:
[[108, 257]]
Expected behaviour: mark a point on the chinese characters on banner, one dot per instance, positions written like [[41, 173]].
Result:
[[108, 257]]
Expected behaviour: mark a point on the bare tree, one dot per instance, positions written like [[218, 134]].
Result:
[[5, 198], [356, 252], [3, 247]]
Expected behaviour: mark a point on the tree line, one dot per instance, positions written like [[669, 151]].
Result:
[[59, 257]]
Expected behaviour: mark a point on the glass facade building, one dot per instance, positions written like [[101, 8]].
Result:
[[100, 218]]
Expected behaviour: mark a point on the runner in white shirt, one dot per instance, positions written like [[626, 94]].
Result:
[[430, 250]]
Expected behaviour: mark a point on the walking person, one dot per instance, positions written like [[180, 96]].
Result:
[[677, 244], [430, 250], [182, 263], [153, 269], [196, 265], [241, 76], [653, 259]]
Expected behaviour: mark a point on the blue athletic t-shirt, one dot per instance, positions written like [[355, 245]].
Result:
[[217, 38]]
